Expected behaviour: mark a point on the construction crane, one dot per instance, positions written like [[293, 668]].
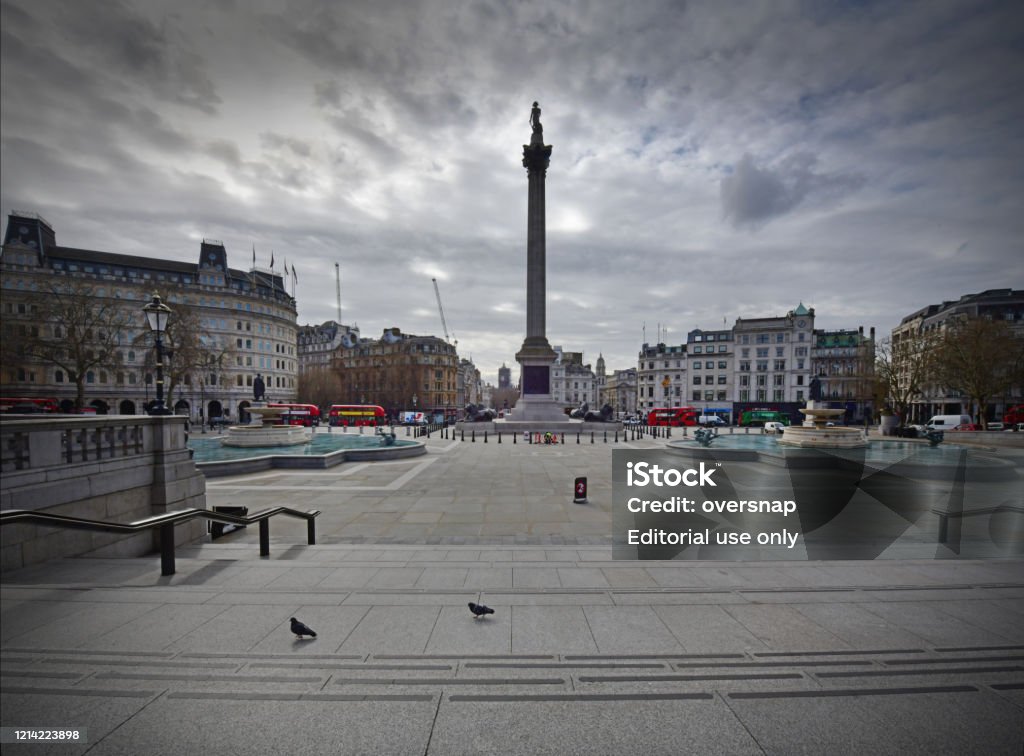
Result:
[[440, 309]]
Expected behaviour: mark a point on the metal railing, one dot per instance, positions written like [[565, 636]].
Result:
[[165, 523]]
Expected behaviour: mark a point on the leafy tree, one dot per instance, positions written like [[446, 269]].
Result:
[[980, 357], [70, 325]]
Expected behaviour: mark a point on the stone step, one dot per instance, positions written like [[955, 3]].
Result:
[[311, 676]]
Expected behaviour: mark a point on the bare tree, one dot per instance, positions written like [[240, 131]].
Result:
[[322, 387], [71, 325], [500, 396], [980, 357], [904, 367], [188, 350]]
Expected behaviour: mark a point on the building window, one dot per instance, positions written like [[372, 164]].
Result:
[[696, 396], [696, 380]]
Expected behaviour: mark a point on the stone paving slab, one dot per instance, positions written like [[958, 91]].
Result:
[[583, 655]]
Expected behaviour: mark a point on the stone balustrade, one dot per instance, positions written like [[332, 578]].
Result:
[[114, 467]]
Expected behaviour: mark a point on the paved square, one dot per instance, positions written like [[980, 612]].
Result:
[[583, 654]]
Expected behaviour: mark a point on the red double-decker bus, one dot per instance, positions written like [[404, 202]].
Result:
[[356, 414], [1014, 415], [299, 414], [673, 416], [20, 405]]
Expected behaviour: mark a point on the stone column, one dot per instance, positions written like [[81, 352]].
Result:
[[536, 157], [536, 354]]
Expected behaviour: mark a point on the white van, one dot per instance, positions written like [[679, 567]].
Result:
[[946, 422], [710, 420]]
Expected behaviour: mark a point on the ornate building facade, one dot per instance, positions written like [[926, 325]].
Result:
[[400, 372], [241, 323]]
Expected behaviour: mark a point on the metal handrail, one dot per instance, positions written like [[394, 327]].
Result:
[[166, 522]]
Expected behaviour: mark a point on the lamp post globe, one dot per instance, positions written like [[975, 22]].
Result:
[[157, 314]]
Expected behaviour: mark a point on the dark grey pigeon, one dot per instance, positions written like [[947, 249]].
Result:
[[300, 629], [479, 610]]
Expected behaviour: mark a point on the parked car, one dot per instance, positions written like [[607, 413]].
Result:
[[967, 427], [996, 426], [774, 427]]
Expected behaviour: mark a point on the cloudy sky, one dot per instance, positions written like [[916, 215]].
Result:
[[712, 159]]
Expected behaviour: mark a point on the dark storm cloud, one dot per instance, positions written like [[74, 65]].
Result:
[[699, 149], [112, 34], [751, 196]]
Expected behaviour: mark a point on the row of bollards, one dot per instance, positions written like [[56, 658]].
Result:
[[628, 434]]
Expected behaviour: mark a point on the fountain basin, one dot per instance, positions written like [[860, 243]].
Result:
[[254, 436], [259, 434], [816, 432]]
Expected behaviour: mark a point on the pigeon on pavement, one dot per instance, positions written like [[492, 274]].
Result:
[[300, 629], [479, 610]]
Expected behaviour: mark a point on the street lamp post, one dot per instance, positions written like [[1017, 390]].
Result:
[[157, 314]]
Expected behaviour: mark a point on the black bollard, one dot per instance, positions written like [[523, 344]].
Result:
[[577, 437], [472, 436], [563, 439], [485, 437], [514, 437], [606, 437], [499, 437], [463, 434], [591, 436]]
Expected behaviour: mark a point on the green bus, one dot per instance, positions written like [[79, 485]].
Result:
[[758, 417]]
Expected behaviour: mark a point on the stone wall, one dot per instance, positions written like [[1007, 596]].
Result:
[[117, 468]]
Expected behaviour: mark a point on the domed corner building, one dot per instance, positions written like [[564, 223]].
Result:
[[239, 323]]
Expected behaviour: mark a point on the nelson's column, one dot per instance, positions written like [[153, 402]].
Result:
[[536, 355]]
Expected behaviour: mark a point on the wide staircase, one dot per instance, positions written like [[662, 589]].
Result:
[[579, 647]]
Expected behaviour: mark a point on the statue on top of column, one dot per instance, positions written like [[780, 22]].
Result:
[[535, 119]]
